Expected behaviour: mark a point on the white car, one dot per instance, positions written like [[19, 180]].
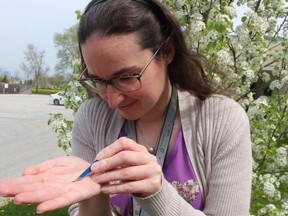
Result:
[[57, 98]]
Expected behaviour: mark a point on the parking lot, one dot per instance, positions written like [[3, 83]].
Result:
[[25, 137]]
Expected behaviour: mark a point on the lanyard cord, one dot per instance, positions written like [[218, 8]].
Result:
[[163, 142]]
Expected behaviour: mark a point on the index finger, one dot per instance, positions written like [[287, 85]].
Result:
[[119, 145], [39, 168], [57, 166]]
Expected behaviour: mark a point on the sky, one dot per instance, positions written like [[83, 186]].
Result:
[[35, 22]]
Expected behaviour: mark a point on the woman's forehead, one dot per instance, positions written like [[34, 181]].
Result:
[[112, 53], [113, 47], [123, 41]]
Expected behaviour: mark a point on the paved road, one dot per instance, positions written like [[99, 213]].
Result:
[[25, 137]]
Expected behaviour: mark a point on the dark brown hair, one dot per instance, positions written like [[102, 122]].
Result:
[[154, 23]]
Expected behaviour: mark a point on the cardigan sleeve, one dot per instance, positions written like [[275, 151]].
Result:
[[83, 134], [223, 139]]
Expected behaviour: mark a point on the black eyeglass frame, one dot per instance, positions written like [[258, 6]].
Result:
[[95, 80]]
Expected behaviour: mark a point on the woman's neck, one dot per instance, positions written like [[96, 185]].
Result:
[[158, 113], [149, 129]]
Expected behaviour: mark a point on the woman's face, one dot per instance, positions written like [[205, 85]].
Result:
[[107, 57]]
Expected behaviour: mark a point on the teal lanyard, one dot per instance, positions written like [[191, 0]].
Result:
[[163, 143]]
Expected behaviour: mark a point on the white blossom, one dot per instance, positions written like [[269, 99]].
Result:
[[224, 58], [281, 152], [265, 77], [231, 11], [267, 209], [212, 35], [276, 84], [258, 23], [198, 25], [281, 162], [76, 62], [249, 73], [263, 100], [285, 205], [254, 165], [258, 151]]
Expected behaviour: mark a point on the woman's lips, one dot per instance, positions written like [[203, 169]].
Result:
[[126, 106]]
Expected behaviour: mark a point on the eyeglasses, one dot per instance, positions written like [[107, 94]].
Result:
[[123, 82]]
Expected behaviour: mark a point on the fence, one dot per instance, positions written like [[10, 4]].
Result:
[[15, 88]]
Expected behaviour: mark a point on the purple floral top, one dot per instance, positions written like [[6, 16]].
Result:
[[177, 170]]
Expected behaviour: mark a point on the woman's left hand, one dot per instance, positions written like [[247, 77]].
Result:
[[129, 168], [50, 184]]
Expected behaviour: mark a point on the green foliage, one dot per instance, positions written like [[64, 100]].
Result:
[[45, 91], [67, 52], [270, 136], [34, 65], [63, 129], [4, 79], [74, 96], [11, 209], [57, 81], [78, 14]]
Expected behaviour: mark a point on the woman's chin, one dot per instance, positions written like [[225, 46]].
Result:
[[129, 116]]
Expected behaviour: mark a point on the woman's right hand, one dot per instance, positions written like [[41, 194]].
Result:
[[50, 184]]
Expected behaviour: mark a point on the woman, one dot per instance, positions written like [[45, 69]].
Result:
[[165, 143]]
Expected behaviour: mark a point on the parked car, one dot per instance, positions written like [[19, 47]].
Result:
[[57, 98]]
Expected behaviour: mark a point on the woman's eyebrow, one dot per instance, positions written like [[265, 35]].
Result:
[[119, 72], [125, 70]]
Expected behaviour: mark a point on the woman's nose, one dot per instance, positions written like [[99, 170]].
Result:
[[114, 96]]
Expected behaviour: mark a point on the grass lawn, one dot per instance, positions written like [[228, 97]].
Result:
[[10, 209]]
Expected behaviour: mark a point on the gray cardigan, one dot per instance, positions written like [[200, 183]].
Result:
[[217, 137]]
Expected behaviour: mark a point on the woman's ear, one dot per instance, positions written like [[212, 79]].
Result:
[[169, 50]]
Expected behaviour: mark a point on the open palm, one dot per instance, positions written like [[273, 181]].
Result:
[[51, 185]]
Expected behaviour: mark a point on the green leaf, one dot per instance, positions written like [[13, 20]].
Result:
[[220, 27], [78, 13], [211, 45], [210, 25], [244, 18]]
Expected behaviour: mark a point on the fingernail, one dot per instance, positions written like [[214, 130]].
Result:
[[100, 156], [16, 203], [94, 166]]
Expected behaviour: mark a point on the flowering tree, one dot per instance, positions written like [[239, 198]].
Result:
[[253, 57], [62, 126]]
